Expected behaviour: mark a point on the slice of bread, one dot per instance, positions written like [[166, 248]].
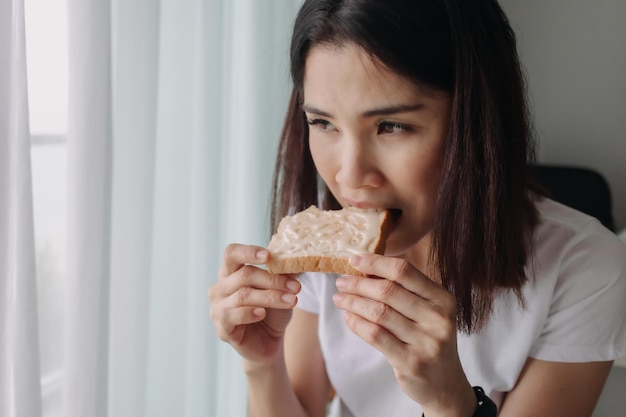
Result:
[[315, 240]]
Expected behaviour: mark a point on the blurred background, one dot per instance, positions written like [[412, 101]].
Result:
[[574, 52]]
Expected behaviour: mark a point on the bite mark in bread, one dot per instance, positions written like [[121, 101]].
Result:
[[315, 240]]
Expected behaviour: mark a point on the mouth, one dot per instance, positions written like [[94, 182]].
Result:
[[395, 214]]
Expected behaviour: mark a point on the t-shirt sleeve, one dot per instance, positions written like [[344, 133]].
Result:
[[587, 317], [308, 298]]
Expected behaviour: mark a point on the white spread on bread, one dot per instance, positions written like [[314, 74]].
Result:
[[338, 233]]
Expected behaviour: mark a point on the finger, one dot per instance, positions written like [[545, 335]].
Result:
[[237, 255], [392, 333], [252, 297], [397, 270], [227, 320], [379, 314], [387, 292], [374, 335], [254, 277]]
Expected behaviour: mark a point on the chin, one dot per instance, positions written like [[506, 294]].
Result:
[[396, 247], [401, 243]]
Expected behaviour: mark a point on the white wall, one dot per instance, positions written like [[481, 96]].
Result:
[[574, 52]]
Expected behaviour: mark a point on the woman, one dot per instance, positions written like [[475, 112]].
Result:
[[420, 106]]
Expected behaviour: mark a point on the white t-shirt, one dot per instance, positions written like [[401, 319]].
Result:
[[575, 312]]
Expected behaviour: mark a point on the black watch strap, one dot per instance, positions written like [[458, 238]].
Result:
[[486, 407]]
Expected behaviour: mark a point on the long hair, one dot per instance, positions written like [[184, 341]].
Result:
[[485, 211]]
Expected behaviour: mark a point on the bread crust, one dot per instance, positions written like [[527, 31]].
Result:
[[285, 264], [298, 264]]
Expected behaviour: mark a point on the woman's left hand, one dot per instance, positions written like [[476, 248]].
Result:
[[412, 321]]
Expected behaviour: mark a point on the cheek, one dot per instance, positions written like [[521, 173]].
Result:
[[419, 172], [318, 159], [323, 161]]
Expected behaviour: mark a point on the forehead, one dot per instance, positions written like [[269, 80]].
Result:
[[346, 72]]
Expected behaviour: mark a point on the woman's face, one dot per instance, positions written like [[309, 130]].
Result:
[[377, 140]]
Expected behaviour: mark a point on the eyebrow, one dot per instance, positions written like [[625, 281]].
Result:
[[383, 111]]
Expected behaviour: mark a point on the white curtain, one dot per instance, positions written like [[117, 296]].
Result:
[[19, 354], [174, 111]]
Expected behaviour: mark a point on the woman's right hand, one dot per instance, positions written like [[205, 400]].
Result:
[[251, 307]]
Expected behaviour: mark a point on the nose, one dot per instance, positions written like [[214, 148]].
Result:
[[359, 166]]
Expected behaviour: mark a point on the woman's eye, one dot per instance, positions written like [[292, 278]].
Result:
[[321, 124], [390, 128]]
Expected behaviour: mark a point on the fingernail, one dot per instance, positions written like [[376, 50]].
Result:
[[261, 255], [292, 285], [337, 297], [258, 312], [355, 260], [288, 298], [341, 282]]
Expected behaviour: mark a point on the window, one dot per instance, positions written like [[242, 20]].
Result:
[[46, 52]]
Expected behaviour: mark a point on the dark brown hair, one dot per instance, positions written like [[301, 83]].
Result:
[[466, 48]]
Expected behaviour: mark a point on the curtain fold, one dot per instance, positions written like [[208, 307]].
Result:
[[175, 110], [89, 139], [20, 387], [135, 36]]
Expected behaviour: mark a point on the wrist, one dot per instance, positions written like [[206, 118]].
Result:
[[252, 368], [262, 365], [460, 402], [478, 404]]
